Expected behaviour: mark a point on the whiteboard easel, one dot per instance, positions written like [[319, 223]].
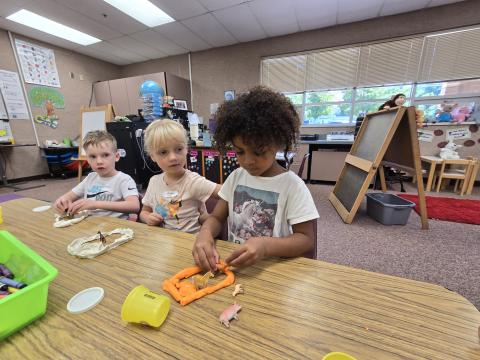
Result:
[[93, 118]]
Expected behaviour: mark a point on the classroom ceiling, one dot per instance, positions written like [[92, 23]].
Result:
[[199, 25]]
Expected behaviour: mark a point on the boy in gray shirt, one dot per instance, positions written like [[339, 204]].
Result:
[[105, 191]]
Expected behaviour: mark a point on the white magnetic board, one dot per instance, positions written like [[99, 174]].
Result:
[[91, 121]]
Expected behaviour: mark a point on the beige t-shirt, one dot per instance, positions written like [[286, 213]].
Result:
[[180, 212]]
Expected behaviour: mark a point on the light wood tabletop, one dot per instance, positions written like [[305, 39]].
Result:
[[292, 309], [433, 161]]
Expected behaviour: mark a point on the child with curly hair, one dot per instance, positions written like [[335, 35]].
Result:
[[270, 210], [176, 198]]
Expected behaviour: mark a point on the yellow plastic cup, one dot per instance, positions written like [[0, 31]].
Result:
[[143, 306], [1, 215], [338, 356]]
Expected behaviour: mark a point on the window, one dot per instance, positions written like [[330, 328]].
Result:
[[333, 86]]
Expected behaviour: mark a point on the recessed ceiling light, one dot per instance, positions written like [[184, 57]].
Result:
[[143, 11], [41, 23]]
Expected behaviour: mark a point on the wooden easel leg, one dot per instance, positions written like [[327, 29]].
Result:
[[80, 163], [422, 203], [381, 174]]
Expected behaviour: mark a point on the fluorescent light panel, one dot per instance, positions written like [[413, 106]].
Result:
[[453, 32], [41, 23], [143, 11]]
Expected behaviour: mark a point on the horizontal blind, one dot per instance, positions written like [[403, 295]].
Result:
[[285, 74], [332, 69], [390, 62], [451, 56]]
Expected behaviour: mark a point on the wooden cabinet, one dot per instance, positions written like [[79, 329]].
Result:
[[327, 164], [124, 94]]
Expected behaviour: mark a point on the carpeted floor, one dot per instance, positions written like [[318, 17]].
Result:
[[447, 254]]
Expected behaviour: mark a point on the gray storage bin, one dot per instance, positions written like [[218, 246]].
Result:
[[388, 209]]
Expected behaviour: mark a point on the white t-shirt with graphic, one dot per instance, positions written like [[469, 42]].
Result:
[[114, 188], [265, 206], [180, 211]]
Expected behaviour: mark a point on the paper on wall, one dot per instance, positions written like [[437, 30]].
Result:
[[12, 93], [38, 64], [425, 135], [458, 133]]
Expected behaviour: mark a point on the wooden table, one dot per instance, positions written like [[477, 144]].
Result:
[[433, 161], [292, 309]]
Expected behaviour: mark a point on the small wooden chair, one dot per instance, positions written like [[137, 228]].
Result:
[[461, 172], [302, 165], [475, 166]]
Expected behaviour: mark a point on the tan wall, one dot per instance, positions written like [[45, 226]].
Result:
[[238, 66], [27, 161]]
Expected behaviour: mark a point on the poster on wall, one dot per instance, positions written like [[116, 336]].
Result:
[[38, 64], [49, 99], [12, 94], [425, 135], [460, 133]]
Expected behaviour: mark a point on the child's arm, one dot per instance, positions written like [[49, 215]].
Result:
[[131, 204], [257, 248], [149, 217], [215, 192], [204, 251], [64, 202]]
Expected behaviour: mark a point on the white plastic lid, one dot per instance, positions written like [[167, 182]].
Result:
[[41, 208], [85, 300]]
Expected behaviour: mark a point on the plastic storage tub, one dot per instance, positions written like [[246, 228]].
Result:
[[30, 303], [388, 209]]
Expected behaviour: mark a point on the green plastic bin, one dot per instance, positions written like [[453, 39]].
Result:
[[30, 303]]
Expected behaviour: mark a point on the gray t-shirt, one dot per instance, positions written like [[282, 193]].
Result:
[[114, 188]]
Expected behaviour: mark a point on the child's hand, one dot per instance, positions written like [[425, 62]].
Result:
[[249, 253], [82, 204], [153, 219], [62, 204], [204, 251]]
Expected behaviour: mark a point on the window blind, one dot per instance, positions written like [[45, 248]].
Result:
[[451, 56], [285, 74], [332, 69], [390, 62]]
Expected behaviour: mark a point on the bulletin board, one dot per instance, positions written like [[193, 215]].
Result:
[[93, 118], [387, 135], [194, 161], [211, 164], [229, 164]]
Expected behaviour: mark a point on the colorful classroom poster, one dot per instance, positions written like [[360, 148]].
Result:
[[12, 93], [38, 64]]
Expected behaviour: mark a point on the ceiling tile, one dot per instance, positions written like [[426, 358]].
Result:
[[314, 14], [108, 48], [351, 11], [213, 5], [137, 47], [37, 35], [181, 35], [8, 7], [210, 30], [181, 9], [98, 54], [277, 17], [158, 41], [240, 22], [442, 2], [391, 7], [115, 19], [66, 16]]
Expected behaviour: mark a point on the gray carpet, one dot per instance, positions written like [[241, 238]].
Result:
[[447, 254]]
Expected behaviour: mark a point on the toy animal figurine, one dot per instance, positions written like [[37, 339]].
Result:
[[449, 151], [446, 114], [461, 114], [230, 313], [238, 290]]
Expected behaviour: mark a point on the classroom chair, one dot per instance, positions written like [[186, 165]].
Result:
[[461, 172], [302, 165], [475, 166]]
